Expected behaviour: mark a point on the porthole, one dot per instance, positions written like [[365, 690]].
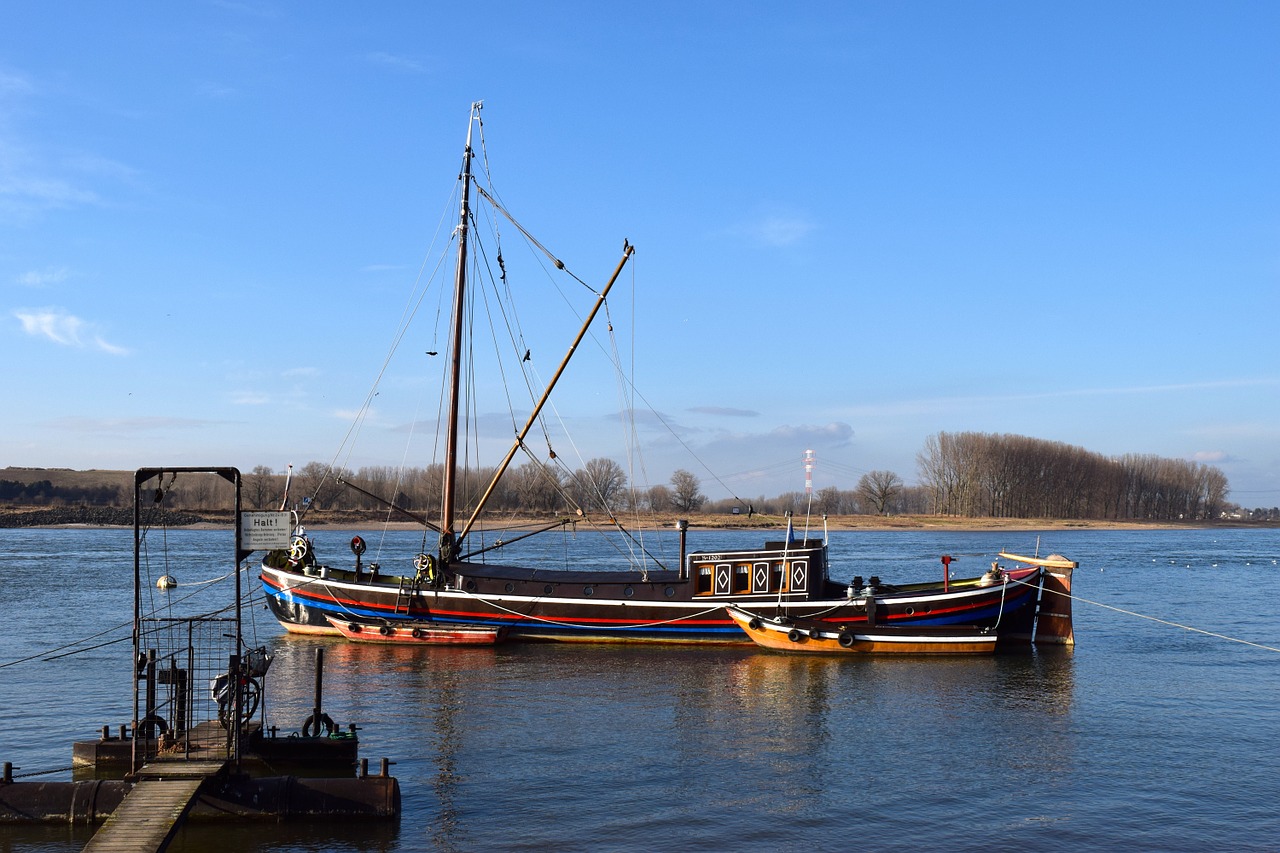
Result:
[[471, 586], [510, 587], [546, 590], [628, 592], [669, 592], [911, 611], [588, 590]]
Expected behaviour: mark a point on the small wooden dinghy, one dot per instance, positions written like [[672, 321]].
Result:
[[814, 637], [418, 633]]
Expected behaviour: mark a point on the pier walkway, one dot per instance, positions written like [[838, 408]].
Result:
[[151, 812]]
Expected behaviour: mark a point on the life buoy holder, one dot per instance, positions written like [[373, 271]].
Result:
[[299, 549], [323, 725], [426, 566]]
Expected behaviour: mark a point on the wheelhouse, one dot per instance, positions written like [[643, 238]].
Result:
[[789, 569]]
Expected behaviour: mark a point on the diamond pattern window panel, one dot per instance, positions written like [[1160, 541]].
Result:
[[760, 575], [799, 576], [723, 575]]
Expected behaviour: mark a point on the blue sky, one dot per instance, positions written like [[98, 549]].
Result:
[[858, 224]]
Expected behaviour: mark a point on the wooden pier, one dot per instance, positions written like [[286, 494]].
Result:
[[153, 810]]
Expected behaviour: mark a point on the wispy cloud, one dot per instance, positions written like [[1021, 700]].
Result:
[[12, 83], [779, 231], [58, 326], [391, 60], [773, 229], [128, 426], [250, 398], [28, 191], [44, 277], [218, 91], [725, 411], [950, 403]]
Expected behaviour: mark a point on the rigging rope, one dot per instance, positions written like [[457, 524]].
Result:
[[561, 624], [1157, 619]]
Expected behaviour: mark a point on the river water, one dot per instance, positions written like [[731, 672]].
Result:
[[1148, 735]]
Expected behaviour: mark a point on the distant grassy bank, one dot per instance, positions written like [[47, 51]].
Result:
[[90, 516]]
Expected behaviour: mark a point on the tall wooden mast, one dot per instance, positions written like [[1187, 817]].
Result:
[[447, 540]]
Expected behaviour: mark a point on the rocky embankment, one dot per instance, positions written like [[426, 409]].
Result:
[[90, 516]]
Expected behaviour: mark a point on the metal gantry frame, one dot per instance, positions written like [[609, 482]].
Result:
[[143, 476]]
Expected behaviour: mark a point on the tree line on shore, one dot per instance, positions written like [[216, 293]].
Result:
[[962, 474]]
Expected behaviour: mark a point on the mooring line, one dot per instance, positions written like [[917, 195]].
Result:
[[1160, 621], [43, 772]]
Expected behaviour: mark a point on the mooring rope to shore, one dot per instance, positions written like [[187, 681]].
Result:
[[1158, 620]]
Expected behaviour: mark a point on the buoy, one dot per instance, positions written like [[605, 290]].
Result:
[[166, 582]]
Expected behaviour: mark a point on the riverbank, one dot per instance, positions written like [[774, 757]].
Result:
[[36, 517]]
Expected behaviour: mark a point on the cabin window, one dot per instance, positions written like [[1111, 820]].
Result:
[[741, 579], [760, 577], [776, 577], [723, 578], [704, 580]]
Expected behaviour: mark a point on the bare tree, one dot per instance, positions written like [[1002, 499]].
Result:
[[316, 485], [659, 498], [259, 485], [684, 491], [879, 489], [537, 487], [599, 482]]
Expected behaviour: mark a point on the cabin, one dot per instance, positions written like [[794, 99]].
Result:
[[796, 570]]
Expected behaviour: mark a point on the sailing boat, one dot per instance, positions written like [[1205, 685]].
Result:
[[453, 586]]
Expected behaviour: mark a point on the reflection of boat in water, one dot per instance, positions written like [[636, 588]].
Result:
[[418, 633], [452, 583], [814, 636]]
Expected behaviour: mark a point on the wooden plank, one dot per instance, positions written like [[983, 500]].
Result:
[[147, 819], [165, 770]]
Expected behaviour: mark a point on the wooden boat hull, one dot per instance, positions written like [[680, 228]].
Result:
[[418, 634], [661, 606], [815, 637]]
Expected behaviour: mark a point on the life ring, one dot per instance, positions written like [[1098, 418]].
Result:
[[845, 639], [323, 723], [426, 566], [794, 635]]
